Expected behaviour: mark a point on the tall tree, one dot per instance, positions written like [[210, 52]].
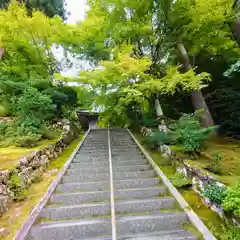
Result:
[[156, 27], [49, 7]]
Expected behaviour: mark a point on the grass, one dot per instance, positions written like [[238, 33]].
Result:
[[215, 224], [19, 212], [9, 156]]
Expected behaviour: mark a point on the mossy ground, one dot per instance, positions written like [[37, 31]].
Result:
[[211, 219], [19, 212], [229, 166], [9, 156]]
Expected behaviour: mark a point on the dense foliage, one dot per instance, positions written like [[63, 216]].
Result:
[[48, 7], [215, 193], [28, 92], [165, 40], [231, 202]]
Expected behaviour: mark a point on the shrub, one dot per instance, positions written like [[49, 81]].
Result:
[[180, 181], [231, 202], [26, 141], [188, 132], [3, 111], [16, 186], [3, 127], [215, 193], [48, 133], [158, 138], [216, 160]]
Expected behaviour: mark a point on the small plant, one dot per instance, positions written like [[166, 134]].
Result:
[[216, 160], [226, 232], [180, 181], [188, 132], [16, 186], [215, 193], [158, 138], [231, 202]]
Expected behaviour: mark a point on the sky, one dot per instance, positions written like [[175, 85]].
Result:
[[77, 9]]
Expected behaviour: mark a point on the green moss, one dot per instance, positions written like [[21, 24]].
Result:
[[9, 156], [60, 161], [211, 219], [19, 212]]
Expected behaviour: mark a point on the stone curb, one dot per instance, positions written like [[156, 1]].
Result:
[[195, 220], [22, 234]]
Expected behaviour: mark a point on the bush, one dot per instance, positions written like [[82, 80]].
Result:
[[26, 141], [231, 202], [215, 166], [3, 111], [3, 127], [157, 138], [16, 186], [215, 193], [34, 105], [180, 181], [48, 134], [188, 132]]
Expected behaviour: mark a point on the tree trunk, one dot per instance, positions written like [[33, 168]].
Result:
[[198, 100], [1, 52], [158, 107], [235, 28], [159, 112]]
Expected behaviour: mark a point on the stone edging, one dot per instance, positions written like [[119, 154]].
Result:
[[30, 168], [199, 179], [22, 234], [195, 220]]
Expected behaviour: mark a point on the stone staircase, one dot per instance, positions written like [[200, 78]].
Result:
[[80, 207]]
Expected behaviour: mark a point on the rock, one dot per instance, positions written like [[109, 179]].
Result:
[[3, 190], [4, 201], [4, 232], [4, 176], [35, 162], [23, 161], [24, 176], [44, 160], [53, 171], [207, 201]]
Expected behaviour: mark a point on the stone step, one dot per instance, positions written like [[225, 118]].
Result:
[[80, 197], [86, 165], [105, 169], [100, 209], [161, 235], [80, 187], [103, 185], [143, 205], [105, 154], [106, 163], [136, 183], [86, 177], [72, 229], [89, 170], [98, 196], [129, 162], [150, 222], [128, 158], [90, 159], [56, 213], [133, 175], [92, 228]]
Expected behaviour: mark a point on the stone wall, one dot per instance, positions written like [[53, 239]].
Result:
[[200, 179], [30, 168]]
